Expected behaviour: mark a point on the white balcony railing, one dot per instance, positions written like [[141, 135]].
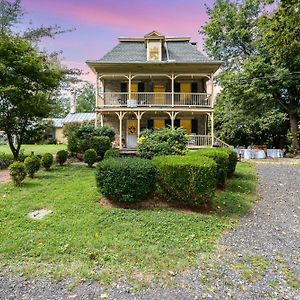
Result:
[[152, 99]]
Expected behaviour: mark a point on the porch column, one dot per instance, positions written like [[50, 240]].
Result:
[[172, 80], [212, 129], [101, 120], [212, 90], [120, 116], [129, 85], [96, 119], [139, 115]]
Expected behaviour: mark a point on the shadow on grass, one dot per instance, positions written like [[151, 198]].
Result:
[[240, 193]]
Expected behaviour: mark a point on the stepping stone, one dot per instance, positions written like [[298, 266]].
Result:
[[39, 214]]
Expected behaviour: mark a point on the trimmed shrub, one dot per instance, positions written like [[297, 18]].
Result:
[[162, 142], [17, 171], [101, 144], [113, 152], [61, 157], [32, 164], [106, 131], [232, 160], [90, 157], [47, 161], [73, 144], [5, 160], [126, 179], [221, 159], [188, 179]]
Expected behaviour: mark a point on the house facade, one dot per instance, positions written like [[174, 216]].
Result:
[[153, 82]]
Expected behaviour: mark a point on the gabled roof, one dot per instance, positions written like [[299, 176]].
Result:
[[135, 52]]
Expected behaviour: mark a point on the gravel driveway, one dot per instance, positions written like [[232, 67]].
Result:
[[260, 259]]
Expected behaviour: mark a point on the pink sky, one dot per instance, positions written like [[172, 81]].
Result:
[[99, 23]]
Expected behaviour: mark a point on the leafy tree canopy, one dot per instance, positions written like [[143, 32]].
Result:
[[260, 47]]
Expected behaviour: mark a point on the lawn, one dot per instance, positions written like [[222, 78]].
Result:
[[38, 149], [83, 240]]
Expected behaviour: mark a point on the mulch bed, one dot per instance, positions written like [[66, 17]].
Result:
[[158, 203]]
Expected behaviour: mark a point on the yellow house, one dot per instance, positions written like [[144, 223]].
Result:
[[156, 81]]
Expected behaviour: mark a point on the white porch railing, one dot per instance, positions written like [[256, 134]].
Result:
[[152, 99], [205, 141]]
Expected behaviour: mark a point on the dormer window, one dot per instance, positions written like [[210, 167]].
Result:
[[154, 43]]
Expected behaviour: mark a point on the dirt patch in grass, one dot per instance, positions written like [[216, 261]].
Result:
[[158, 203], [4, 176]]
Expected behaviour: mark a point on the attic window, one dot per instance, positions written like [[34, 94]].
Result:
[[154, 42]]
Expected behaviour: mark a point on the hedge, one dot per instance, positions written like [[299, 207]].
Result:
[[221, 159], [125, 179], [232, 160], [113, 152], [186, 178], [5, 160]]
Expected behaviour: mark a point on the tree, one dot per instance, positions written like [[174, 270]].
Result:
[[86, 99], [30, 80], [245, 35], [27, 78]]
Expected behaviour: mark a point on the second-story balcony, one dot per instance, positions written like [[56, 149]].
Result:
[[153, 99]]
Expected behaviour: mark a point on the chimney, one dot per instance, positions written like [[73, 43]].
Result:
[[73, 104]]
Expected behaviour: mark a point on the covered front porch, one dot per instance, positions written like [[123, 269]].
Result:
[[129, 124]]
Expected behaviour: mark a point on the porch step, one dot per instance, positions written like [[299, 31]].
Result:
[[128, 152]]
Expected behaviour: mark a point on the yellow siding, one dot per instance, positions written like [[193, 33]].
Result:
[[60, 137]]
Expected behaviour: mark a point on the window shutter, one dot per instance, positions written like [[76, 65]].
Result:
[[195, 126], [194, 87], [124, 87], [177, 123], [150, 124], [141, 87]]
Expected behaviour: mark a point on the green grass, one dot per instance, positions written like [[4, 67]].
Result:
[[83, 240], [38, 149]]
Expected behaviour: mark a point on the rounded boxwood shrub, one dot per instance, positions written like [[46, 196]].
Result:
[[61, 157], [47, 161], [125, 179], [113, 152], [17, 171], [184, 178], [221, 159], [32, 164], [90, 157]]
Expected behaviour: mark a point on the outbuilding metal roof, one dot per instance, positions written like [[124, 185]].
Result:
[[79, 118], [58, 122]]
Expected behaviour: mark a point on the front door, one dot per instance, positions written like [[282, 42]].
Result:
[[131, 138]]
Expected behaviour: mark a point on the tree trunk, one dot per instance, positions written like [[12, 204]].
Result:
[[294, 130], [12, 147]]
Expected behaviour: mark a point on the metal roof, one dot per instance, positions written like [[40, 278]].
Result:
[[79, 118], [136, 52]]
